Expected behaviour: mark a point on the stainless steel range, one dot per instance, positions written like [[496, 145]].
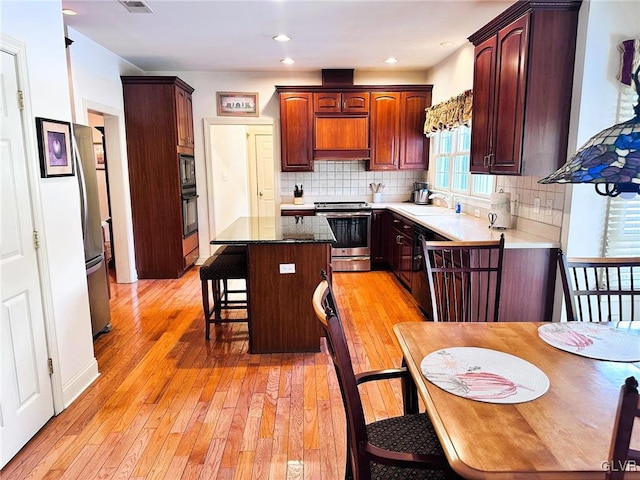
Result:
[[351, 225]]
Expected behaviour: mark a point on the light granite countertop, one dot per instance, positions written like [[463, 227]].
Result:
[[455, 226]]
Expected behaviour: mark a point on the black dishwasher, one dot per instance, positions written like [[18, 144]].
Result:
[[419, 282]]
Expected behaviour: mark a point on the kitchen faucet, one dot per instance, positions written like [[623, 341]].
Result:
[[443, 197]]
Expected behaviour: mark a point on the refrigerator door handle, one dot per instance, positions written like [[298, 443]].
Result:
[[83, 187]]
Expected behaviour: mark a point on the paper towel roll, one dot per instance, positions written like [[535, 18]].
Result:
[[501, 207]]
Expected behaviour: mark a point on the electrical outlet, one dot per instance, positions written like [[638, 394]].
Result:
[[287, 268], [476, 212], [536, 205], [549, 211]]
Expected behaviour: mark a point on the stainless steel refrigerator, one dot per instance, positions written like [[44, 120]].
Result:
[[94, 257]]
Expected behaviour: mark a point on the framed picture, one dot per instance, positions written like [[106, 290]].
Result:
[[237, 104], [54, 147], [98, 153]]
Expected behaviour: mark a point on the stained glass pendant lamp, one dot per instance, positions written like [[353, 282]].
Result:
[[610, 159]]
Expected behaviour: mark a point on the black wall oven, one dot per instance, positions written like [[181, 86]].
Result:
[[187, 171], [351, 225], [189, 195], [189, 212]]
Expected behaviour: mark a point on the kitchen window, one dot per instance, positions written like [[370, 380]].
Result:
[[622, 237], [450, 153]]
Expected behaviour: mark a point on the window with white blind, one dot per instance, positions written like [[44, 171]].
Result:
[[622, 238], [451, 154]]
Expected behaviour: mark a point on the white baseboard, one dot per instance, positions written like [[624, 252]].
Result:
[[79, 383]]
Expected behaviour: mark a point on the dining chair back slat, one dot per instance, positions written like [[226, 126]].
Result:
[[600, 289]]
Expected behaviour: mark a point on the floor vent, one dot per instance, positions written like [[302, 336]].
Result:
[[136, 6]]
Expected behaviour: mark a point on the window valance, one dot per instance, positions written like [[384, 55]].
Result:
[[450, 114]]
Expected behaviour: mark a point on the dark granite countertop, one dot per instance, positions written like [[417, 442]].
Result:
[[293, 229]]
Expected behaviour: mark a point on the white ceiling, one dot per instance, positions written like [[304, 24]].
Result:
[[235, 35]]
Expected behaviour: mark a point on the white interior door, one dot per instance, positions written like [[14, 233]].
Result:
[[26, 400], [261, 168]]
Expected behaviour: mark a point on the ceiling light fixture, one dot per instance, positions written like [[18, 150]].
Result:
[[446, 44], [288, 61], [68, 11], [281, 38], [391, 60]]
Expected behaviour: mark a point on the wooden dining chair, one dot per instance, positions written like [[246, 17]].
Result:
[[621, 457], [464, 279], [404, 447], [600, 289]]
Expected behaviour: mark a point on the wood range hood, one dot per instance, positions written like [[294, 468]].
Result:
[[341, 118]]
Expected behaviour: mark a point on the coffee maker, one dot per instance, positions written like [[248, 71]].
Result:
[[420, 194]]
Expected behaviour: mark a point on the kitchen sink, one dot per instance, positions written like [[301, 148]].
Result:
[[426, 210]]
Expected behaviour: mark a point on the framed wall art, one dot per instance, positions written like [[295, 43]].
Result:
[[237, 104], [54, 148], [98, 151]]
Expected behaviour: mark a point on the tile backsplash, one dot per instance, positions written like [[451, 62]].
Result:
[[525, 190], [349, 178]]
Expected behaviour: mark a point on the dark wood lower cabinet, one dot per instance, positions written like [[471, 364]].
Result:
[[282, 316], [528, 274]]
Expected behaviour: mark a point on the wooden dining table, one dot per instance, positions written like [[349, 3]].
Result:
[[563, 434]]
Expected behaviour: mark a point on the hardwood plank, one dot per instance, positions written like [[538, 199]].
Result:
[[169, 404]]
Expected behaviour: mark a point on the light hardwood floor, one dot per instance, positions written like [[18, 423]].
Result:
[[170, 405]]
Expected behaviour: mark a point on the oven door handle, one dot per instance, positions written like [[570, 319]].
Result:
[[343, 214]]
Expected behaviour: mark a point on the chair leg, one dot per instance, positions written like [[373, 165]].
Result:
[[205, 307], [409, 394], [217, 301]]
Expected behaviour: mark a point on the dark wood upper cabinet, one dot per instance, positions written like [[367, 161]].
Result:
[[414, 146], [523, 79], [381, 124], [397, 138], [159, 127], [337, 102], [385, 131], [296, 131], [184, 107]]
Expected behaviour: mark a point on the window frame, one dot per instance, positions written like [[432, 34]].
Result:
[[459, 149]]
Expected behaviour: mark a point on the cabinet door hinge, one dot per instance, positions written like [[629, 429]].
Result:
[[50, 363], [20, 100], [36, 240]]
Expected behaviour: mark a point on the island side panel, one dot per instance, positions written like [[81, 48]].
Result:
[[528, 284], [282, 316]]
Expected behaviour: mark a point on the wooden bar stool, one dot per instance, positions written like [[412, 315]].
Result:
[[229, 263]]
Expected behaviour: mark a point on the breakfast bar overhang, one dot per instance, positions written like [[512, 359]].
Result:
[[285, 256]]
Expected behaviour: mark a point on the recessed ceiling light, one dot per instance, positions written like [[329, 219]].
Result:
[[68, 11], [446, 44], [281, 38], [391, 60], [288, 61]]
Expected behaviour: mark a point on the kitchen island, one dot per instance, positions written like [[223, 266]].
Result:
[[285, 256]]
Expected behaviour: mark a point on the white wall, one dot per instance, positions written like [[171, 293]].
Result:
[[230, 174], [39, 25], [453, 75]]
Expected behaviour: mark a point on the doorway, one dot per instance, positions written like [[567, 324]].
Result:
[[96, 121], [240, 165]]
